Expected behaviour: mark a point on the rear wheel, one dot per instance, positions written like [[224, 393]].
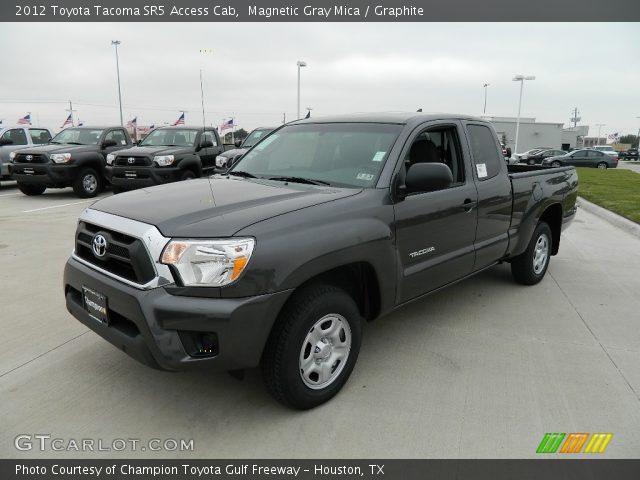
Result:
[[602, 165], [87, 184], [313, 347], [31, 189], [530, 267], [555, 164]]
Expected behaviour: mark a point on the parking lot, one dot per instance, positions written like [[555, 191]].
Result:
[[481, 369]]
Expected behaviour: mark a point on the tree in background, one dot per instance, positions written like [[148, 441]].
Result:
[[630, 139], [239, 134]]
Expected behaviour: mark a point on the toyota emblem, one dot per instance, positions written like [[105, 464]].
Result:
[[131, 160], [29, 158], [99, 246]]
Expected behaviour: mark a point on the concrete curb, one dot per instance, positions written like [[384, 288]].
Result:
[[617, 220]]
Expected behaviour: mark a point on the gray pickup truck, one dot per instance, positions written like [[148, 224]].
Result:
[[15, 138], [324, 225]]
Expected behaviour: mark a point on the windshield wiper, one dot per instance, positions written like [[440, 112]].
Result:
[[74, 143], [240, 173], [309, 181]]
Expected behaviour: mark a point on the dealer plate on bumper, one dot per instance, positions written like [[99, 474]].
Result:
[[95, 304]]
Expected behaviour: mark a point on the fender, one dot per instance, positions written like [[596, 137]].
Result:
[[190, 161]]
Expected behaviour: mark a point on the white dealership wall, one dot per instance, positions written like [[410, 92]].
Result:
[[532, 134]]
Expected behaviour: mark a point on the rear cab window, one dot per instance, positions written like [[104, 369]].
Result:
[[484, 150], [39, 136]]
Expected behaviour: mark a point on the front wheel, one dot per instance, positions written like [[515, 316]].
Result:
[[602, 166], [187, 175], [31, 189], [529, 267], [313, 347], [555, 164], [88, 183]]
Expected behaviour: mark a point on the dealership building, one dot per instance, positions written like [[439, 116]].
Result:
[[537, 134]]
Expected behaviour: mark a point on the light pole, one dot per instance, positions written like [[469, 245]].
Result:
[[599, 125], [638, 138], [485, 97], [116, 43], [521, 79], [300, 64]]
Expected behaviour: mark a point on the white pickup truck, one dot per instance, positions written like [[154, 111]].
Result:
[[15, 138]]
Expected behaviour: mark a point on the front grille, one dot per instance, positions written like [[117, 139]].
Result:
[[137, 162], [22, 158], [126, 256]]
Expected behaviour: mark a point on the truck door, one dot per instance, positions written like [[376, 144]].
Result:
[[435, 230], [494, 195], [208, 155]]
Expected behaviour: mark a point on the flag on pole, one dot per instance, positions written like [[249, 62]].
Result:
[[226, 125], [133, 123], [26, 120], [308, 114], [80, 123], [613, 136], [68, 121], [180, 120]]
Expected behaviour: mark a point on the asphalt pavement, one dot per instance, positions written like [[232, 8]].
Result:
[[482, 369]]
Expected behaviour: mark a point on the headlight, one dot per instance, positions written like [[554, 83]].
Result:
[[61, 157], [12, 155], [110, 159], [208, 263], [221, 161], [164, 160]]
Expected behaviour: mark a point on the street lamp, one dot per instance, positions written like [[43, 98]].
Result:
[[599, 125], [485, 97], [638, 138], [521, 79], [300, 64], [116, 43]]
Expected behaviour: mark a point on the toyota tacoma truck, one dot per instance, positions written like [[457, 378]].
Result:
[[167, 154], [324, 225], [75, 157]]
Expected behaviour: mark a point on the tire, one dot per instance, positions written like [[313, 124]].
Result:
[[31, 189], [88, 183], [555, 164], [531, 162], [602, 165], [530, 267], [298, 354], [187, 175]]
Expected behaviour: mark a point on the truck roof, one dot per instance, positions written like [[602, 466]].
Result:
[[400, 118]]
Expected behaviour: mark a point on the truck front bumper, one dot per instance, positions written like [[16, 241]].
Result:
[[158, 328], [51, 175], [141, 177]]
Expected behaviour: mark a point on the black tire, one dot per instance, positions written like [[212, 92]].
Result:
[[31, 189], [290, 340], [555, 164], [524, 268], [88, 183], [602, 165], [187, 175]]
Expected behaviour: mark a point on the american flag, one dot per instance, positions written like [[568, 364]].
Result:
[[26, 120], [227, 125], [613, 136], [180, 120], [133, 123], [68, 121]]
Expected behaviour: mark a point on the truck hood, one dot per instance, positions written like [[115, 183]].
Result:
[[216, 207], [152, 151], [50, 148]]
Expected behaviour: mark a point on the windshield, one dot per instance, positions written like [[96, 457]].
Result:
[[254, 136], [341, 154], [78, 136], [170, 137]]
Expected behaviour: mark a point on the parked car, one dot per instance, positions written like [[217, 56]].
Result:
[[15, 138], [538, 156], [631, 154], [225, 160], [167, 154], [608, 149], [583, 158], [523, 156], [75, 157], [324, 225]]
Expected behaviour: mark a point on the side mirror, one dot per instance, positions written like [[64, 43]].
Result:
[[237, 143], [109, 143], [6, 141], [206, 144], [428, 177]]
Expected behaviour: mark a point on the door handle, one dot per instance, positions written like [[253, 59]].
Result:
[[468, 205]]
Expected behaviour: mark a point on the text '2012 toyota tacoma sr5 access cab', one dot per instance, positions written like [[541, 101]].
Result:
[[322, 226]]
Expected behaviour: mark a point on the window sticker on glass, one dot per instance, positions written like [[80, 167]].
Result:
[[481, 168], [378, 156], [365, 176]]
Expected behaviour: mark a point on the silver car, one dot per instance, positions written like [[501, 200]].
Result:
[[15, 138]]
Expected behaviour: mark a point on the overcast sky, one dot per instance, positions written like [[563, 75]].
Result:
[[360, 67]]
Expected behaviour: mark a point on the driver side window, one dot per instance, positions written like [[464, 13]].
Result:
[[438, 145]]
